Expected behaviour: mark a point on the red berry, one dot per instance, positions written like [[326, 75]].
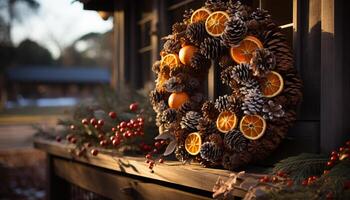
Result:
[[141, 133], [122, 130], [148, 156], [281, 174], [112, 115], [341, 149], [103, 142], [123, 124], [325, 171], [72, 127], [334, 158], [141, 124], [157, 144], [98, 127], [114, 129], [330, 164], [334, 153], [58, 138], [133, 107], [274, 179], [93, 121], [116, 142], [347, 143], [94, 152], [265, 179], [330, 196], [154, 151], [135, 125], [73, 140], [69, 136], [140, 119], [162, 142], [132, 121], [304, 183], [150, 166], [161, 160], [101, 122], [112, 138], [290, 183], [100, 136], [85, 121]]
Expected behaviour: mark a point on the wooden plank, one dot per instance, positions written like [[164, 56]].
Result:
[[115, 186], [174, 172]]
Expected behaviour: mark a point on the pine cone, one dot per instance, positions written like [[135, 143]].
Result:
[[186, 107], [262, 62], [215, 138], [160, 107], [199, 62], [226, 61], [206, 127], [196, 32], [253, 102], [261, 15], [190, 121], [156, 67], [251, 84], [226, 103], [172, 46], [197, 97], [211, 48], [234, 32], [155, 97], [272, 110], [169, 115], [233, 161], [236, 8], [209, 111], [241, 73], [181, 154], [211, 152], [215, 5], [174, 84], [178, 27], [235, 141]]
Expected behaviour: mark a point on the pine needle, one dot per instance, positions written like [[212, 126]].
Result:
[[302, 166]]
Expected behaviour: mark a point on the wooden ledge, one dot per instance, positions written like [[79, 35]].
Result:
[[192, 176]]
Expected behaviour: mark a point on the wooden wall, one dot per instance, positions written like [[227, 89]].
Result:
[[321, 49]]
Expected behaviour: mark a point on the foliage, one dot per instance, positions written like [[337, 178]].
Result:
[[302, 166], [29, 52]]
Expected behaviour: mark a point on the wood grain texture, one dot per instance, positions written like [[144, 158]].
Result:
[[115, 186], [193, 176]]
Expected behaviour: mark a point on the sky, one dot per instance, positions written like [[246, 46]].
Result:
[[58, 23]]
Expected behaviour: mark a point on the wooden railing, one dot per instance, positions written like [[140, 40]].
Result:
[[118, 177]]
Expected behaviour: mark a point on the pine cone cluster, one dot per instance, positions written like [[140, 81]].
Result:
[[181, 154], [241, 73], [226, 103], [215, 5], [211, 48], [235, 141], [206, 127], [211, 152], [174, 84], [209, 111], [169, 115], [200, 62], [196, 32], [261, 15], [235, 31], [262, 62], [253, 102], [190, 121], [172, 46], [272, 110]]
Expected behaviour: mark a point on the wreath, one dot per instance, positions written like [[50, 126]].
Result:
[[256, 66]]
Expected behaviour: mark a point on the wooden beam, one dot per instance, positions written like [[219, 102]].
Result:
[[193, 176], [114, 186]]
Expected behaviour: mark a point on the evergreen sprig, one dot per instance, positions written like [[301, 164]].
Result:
[[302, 166]]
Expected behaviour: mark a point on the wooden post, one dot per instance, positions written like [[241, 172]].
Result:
[[56, 187]]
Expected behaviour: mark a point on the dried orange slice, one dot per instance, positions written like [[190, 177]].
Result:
[[226, 121], [242, 53], [215, 23], [172, 60], [193, 143], [272, 84], [200, 15], [252, 126]]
